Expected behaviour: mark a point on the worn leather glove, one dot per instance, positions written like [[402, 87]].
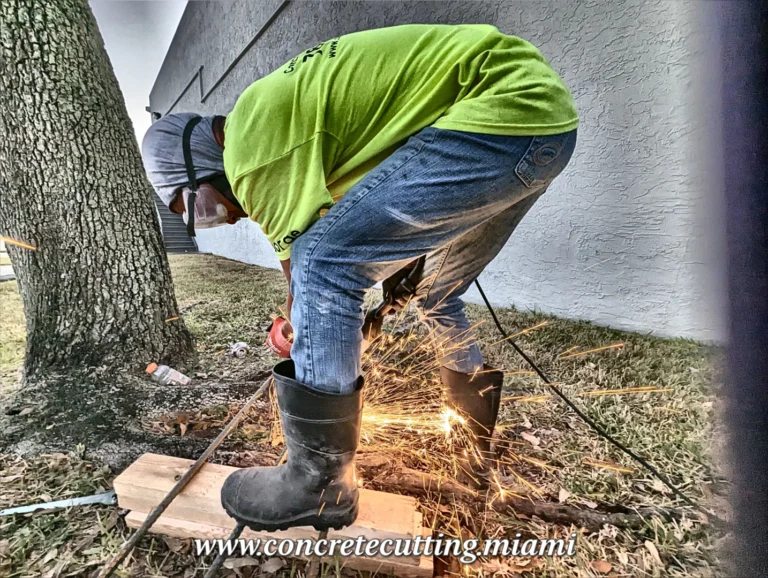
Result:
[[276, 338]]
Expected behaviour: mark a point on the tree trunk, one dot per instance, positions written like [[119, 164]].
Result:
[[97, 289]]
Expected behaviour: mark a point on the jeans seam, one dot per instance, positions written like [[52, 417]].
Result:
[[446, 251], [328, 225]]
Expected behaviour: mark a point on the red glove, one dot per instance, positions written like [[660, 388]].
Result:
[[276, 339]]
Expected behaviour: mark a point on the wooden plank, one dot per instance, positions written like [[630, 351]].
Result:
[[147, 481], [383, 566]]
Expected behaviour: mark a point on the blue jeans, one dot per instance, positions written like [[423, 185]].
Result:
[[453, 196]]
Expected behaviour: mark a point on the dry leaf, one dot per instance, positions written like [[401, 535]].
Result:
[[232, 563], [181, 417], [272, 565], [252, 429], [183, 429], [651, 547], [26, 411], [494, 566], [50, 556], [527, 423], [623, 557], [590, 504], [174, 544], [601, 566], [563, 495], [530, 438]]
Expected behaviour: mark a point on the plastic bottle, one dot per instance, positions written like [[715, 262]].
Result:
[[167, 376]]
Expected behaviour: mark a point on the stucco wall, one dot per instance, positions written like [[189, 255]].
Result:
[[626, 236]]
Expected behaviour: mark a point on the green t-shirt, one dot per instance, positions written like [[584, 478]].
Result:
[[299, 138]]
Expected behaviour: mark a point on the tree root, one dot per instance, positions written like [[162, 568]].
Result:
[[412, 481]]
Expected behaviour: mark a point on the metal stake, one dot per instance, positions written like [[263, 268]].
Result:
[[313, 567], [109, 498], [222, 556]]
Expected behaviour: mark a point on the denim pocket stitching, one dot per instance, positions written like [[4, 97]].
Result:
[[528, 160], [555, 145], [523, 164]]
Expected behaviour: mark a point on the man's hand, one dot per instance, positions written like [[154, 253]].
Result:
[[287, 330], [280, 337]]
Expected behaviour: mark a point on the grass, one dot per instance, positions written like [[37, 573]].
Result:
[[12, 335], [225, 301]]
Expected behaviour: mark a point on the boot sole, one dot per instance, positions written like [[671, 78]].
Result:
[[331, 520]]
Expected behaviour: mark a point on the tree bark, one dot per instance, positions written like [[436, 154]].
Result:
[[97, 291]]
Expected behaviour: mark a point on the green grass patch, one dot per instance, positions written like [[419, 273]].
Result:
[[12, 334]]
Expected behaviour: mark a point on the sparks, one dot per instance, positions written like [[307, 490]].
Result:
[[605, 465], [18, 243], [406, 419], [580, 353], [523, 332], [629, 390], [527, 398], [574, 348]]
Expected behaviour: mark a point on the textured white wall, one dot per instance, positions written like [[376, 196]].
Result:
[[628, 235]]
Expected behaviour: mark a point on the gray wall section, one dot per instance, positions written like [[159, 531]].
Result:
[[625, 237]]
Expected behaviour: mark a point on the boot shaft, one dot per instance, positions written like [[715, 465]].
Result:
[[324, 422], [316, 486], [478, 396]]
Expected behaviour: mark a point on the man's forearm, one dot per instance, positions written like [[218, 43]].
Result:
[[286, 265]]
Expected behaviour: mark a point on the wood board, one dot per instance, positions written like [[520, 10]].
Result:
[[197, 512]]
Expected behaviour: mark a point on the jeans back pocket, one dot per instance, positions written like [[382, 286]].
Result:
[[545, 158]]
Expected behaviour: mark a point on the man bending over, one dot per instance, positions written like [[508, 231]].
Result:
[[357, 157]]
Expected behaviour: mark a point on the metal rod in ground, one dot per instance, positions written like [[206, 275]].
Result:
[[313, 568], [223, 555], [180, 485]]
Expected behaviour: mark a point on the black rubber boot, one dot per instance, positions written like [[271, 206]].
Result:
[[477, 399], [316, 486]]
